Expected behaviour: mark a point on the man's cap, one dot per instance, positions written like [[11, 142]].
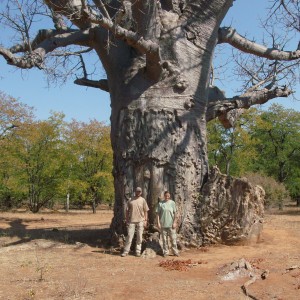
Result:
[[138, 189]]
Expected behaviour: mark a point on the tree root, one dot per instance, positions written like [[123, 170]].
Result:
[[263, 276], [246, 284]]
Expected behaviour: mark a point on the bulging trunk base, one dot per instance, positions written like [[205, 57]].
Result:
[[229, 211]]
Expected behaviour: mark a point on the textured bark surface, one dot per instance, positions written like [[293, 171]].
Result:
[[159, 149], [230, 210]]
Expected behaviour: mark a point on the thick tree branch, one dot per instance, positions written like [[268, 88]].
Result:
[[148, 47], [102, 8], [101, 84], [58, 21], [230, 36], [73, 53], [228, 110], [130, 37], [202, 8], [133, 39], [83, 16], [42, 35], [109, 8], [75, 11], [36, 57]]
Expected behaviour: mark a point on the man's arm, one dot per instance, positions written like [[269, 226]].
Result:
[[146, 208], [157, 220], [157, 216], [127, 214], [146, 218], [174, 225]]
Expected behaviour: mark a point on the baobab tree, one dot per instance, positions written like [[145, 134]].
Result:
[[157, 55]]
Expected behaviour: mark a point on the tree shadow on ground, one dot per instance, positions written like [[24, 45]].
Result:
[[94, 236], [289, 212], [289, 209]]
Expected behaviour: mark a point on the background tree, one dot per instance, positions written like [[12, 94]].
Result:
[[12, 114], [278, 132], [276, 194], [267, 145], [38, 164], [11, 193], [233, 149], [90, 161], [13, 117], [43, 161], [157, 56]]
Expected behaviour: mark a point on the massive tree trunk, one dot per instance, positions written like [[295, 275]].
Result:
[[159, 121], [159, 148]]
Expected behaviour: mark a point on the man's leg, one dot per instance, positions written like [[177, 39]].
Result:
[[173, 237], [139, 238], [131, 229], [164, 234]]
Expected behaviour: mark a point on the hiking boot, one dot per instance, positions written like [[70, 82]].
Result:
[[124, 254], [138, 254]]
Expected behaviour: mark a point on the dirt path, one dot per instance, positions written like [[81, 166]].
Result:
[[58, 256]]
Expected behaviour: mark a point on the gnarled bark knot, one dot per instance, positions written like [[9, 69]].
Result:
[[230, 210]]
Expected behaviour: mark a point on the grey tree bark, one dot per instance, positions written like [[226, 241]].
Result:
[[159, 122]]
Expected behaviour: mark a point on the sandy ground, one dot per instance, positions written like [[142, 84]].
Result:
[[61, 256]]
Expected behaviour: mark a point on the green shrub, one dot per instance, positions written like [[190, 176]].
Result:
[[276, 193]]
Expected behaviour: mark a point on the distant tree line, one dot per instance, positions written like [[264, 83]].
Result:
[[69, 164], [52, 162], [263, 146]]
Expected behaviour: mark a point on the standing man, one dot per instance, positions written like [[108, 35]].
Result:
[[136, 217], [167, 223]]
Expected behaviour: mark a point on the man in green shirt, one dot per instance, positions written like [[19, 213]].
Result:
[[166, 221]]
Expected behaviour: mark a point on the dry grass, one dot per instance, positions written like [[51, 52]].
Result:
[[62, 256]]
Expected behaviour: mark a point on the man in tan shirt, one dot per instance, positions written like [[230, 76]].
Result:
[[136, 217]]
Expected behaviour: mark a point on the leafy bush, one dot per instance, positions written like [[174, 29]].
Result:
[[10, 199], [276, 193]]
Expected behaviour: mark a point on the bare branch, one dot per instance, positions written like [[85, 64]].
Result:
[[230, 36], [42, 35], [101, 84], [102, 7], [228, 110], [292, 13], [72, 53], [26, 26], [58, 21], [83, 16], [76, 11], [36, 58]]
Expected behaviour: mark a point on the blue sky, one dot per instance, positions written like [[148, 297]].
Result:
[[84, 104], [76, 102]]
